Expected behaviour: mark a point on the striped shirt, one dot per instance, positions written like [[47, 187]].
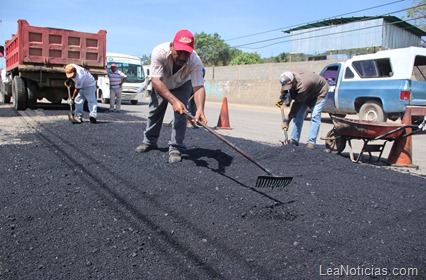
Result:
[[115, 78]]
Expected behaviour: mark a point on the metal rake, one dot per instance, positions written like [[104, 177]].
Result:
[[265, 181]]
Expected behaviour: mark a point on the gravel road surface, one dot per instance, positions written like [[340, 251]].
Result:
[[78, 203]]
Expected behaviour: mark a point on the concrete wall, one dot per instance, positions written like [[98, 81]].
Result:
[[256, 84]]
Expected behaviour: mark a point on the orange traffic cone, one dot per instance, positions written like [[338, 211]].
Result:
[[223, 122], [401, 153]]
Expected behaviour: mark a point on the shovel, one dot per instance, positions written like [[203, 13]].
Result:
[[71, 117], [280, 104], [266, 181]]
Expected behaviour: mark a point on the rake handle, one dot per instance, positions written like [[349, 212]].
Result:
[[230, 144]]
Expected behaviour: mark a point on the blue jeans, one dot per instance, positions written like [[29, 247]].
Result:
[[89, 94], [297, 124], [191, 107]]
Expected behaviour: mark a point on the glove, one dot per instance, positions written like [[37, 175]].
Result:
[[284, 126], [279, 103], [71, 102], [68, 82]]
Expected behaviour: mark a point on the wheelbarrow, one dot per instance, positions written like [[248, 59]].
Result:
[[345, 130]]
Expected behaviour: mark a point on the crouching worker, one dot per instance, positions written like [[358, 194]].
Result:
[[176, 72], [308, 90], [85, 89]]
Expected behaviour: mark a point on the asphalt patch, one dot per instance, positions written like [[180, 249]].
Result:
[[77, 202]]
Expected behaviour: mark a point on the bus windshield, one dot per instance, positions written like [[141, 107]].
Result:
[[134, 72]]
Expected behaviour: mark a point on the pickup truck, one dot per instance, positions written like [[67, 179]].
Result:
[[35, 61], [377, 86]]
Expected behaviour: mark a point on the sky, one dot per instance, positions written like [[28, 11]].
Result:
[[135, 27]]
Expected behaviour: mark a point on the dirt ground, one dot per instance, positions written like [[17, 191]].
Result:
[[78, 203]]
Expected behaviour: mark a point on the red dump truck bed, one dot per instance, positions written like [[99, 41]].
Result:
[[51, 48], [35, 61]]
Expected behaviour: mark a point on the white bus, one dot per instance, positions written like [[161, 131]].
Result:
[[133, 88]]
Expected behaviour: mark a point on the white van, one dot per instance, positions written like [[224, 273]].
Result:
[[133, 88]]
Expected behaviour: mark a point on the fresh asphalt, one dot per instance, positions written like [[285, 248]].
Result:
[[78, 203], [263, 124]]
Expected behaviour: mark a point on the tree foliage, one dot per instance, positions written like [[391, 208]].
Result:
[[146, 59], [212, 50], [418, 14], [246, 58]]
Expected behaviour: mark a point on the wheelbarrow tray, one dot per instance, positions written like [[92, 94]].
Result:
[[345, 130], [360, 129]]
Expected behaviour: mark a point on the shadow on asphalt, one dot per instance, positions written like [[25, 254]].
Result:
[[224, 160]]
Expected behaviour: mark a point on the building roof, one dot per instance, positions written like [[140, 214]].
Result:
[[339, 21]]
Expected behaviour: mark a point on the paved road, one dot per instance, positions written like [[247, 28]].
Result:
[[263, 124], [76, 202]]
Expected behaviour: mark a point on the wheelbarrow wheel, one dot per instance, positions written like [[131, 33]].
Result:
[[335, 143]]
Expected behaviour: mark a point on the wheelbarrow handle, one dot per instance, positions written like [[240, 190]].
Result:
[[398, 129]]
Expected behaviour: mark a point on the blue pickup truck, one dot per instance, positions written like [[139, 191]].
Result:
[[377, 86]]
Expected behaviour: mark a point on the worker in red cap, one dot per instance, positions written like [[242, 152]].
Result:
[[176, 72]]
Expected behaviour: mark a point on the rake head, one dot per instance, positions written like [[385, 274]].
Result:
[[272, 181], [284, 142]]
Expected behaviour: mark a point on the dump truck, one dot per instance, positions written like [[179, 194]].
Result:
[[35, 61]]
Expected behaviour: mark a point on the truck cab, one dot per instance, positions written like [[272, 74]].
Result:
[[377, 86]]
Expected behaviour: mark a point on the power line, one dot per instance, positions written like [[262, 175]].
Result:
[[283, 37], [289, 27], [336, 33]]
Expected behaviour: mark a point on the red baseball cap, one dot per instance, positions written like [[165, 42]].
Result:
[[184, 41]]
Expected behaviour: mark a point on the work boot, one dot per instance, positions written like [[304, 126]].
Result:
[[310, 146], [78, 118], [292, 142], [190, 124], [143, 148], [174, 156]]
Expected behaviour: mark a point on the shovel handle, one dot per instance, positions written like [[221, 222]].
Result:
[[232, 145]]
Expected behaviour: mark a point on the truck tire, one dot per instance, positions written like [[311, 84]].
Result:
[[32, 89], [19, 93], [372, 111]]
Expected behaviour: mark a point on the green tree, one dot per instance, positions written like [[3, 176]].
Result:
[[212, 50], [418, 14], [246, 58], [146, 59], [233, 52], [283, 57]]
